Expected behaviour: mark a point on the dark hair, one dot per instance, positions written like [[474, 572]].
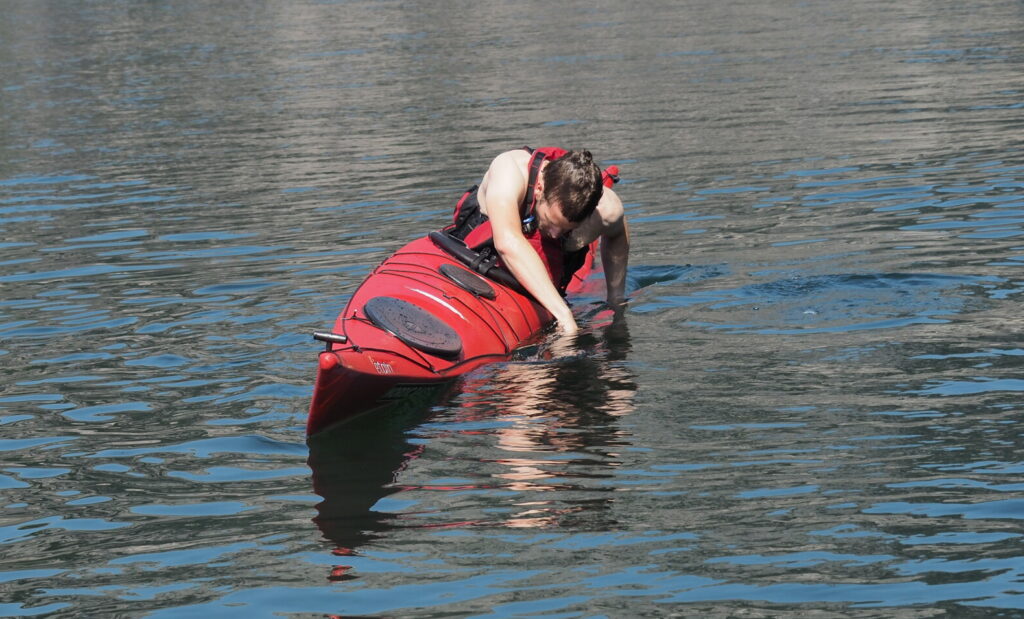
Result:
[[574, 180]]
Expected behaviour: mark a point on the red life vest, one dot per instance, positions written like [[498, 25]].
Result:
[[550, 250]]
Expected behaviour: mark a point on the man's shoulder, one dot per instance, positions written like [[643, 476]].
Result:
[[610, 208], [506, 177], [518, 155], [511, 163]]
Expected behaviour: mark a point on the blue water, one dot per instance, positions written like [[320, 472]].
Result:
[[810, 407]]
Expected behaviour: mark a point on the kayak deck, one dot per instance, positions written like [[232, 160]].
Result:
[[420, 319]]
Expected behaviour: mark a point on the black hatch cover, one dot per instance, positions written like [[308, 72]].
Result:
[[468, 281], [413, 325]]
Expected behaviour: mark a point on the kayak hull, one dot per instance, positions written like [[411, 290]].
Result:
[[419, 321]]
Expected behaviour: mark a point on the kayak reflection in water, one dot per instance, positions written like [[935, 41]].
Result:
[[568, 406], [540, 210]]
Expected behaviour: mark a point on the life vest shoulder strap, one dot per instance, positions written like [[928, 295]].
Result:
[[537, 158]]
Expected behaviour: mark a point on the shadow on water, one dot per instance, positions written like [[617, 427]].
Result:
[[523, 412]]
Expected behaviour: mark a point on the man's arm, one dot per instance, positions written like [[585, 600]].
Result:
[[503, 188], [615, 257], [607, 222], [614, 246]]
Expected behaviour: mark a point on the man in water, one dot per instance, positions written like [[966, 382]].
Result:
[[539, 208]]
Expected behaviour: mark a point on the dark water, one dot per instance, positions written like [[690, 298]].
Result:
[[811, 408]]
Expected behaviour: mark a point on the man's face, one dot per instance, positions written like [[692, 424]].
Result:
[[550, 220]]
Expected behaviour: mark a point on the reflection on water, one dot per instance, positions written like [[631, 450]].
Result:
[[815, 410], [541, 430], [357, 465], [556, 429]]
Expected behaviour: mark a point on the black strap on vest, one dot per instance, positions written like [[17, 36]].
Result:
[[530, 200], [529, 217]]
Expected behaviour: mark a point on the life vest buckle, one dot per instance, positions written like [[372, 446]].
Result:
[[530, 225]]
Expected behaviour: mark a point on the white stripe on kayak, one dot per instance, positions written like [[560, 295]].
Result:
[[441, 301]]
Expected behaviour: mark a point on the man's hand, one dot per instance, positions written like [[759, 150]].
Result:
[[567, 324]]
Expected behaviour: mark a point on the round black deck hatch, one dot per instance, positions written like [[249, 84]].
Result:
[[413, 325], [468, 281]]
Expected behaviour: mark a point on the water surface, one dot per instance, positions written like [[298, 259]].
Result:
[[810, 406]]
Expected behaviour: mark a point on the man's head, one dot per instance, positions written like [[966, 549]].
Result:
[[572, 188]]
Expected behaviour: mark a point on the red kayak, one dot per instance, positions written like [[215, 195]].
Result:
[[421, 319], [433, 311]]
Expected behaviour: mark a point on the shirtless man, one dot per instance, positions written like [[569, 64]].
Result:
[[565, 192]]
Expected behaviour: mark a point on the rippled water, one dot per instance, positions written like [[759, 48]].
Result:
[[811, 407]]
